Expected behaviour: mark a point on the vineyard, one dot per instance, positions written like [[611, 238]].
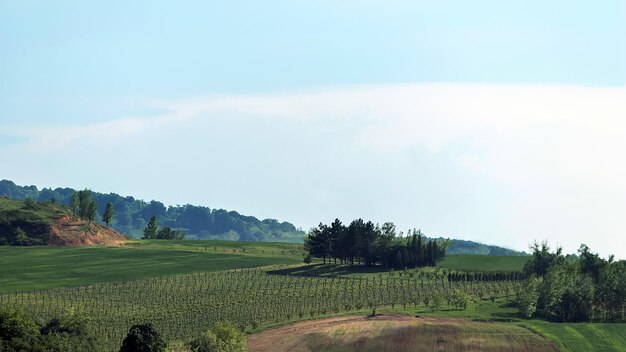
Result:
[[181, 306]]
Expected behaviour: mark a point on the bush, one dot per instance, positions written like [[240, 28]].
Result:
[[20, 333], [29, 203], [223, 337], [143, 338]]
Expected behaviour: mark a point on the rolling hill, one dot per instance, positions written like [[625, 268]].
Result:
[[29, 223], [201, 222]]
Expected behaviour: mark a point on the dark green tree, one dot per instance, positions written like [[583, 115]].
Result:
[[143, 338], [150, 231], [109, 212], [316, 243], [167, 233], [84, 199], [92, 211], [75, 202], [335, 233], [29, 203]]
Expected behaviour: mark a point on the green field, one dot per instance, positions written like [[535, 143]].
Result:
[[165, 267], [582, 337], [38, 268], [469, 262]]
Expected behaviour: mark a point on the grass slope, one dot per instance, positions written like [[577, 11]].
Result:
[[468, 262], [38, 268], [34, 220], [582, 337]]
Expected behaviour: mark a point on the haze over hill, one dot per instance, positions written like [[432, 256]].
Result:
[[197, 221], [200, 222]]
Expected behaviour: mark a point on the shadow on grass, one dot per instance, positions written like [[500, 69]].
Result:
[[329, 270]]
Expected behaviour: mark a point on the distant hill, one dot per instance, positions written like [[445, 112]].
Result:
[[198, 222], [471, 247], [42, 223]]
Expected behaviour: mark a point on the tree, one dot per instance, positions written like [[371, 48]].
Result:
[[542, 259], [74, 202], [143, 338], [29, 203], [307, 259], [84, 199], [150, 231], [528, 297], [92, 211], [20, 236], [109, 212], [335, 233], [167, 233], [351, 239], [317, 242]]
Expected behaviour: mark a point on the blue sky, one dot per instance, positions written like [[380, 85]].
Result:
[[462, 118]]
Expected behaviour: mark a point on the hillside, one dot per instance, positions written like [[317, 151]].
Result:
[[198, 222], [470, 247], [49, 223]]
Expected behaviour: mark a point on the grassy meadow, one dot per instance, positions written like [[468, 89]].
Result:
[[39, 268], [468, 262], [58, 268]]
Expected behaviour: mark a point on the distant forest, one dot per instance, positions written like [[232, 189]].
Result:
[[198, 222]]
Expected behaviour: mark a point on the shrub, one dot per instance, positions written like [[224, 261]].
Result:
[[143, 338], [20, 333], [15, 325], [223, 337]]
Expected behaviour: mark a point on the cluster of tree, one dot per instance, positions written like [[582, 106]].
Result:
[[200, 222], [573, 288], [19, 332], [85, 207], [222, 337], [372, 244], [152, 232]]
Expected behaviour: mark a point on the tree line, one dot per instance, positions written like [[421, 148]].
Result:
[[132, 215], [573, 288], [370, 244], [73, 333]]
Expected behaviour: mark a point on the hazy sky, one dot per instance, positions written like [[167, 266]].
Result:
[[493, 121]]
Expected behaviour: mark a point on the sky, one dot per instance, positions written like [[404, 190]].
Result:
[[495, 121]]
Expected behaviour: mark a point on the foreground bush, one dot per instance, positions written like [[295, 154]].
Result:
[[143, 338], [223, 337], [19, 332]]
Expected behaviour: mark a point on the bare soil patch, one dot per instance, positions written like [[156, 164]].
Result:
[[398, 333], [68, 231]]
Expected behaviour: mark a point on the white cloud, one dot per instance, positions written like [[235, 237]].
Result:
[[558, 148]]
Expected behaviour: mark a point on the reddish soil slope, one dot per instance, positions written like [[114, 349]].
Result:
[[68, 231]]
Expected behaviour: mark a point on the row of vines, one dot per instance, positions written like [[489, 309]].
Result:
[[182, 306]]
